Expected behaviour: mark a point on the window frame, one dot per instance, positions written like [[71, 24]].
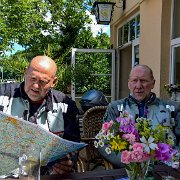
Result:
[[174, 44]]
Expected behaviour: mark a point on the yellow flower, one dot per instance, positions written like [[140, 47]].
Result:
[[117, 144]]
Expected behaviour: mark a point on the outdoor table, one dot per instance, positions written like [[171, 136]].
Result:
[[159, 171], [114, 174]]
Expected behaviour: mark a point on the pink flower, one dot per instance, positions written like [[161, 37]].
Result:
[[137, 147], [139, 156], [130, 137], [107, 125], [126, 157]]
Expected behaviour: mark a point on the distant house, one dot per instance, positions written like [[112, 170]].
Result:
[[147, 32]]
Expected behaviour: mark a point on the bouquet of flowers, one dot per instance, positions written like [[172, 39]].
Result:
[[138, 141]]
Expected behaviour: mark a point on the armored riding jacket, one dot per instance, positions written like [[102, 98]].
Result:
[[159, 111], [57, 113]]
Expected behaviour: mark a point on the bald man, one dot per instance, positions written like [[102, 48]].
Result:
[[36, 101]]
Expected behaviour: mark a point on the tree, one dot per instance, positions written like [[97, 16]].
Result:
[[88, 64], [52, 27], [37, 24], [14, 66]]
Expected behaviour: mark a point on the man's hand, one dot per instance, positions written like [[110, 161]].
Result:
[[63, 166]]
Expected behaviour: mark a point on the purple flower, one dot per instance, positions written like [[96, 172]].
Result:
[[118, 119], [127, 129], [163, 152], [122, 120], [163, 147]]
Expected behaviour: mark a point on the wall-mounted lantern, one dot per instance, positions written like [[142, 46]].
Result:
[[103, 12]]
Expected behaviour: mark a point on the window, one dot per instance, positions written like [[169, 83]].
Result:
[[138, 26], [135, 52], [129, 32], [136, 55], [126, 32], [176, 20], [132, 29], [175, 65], [175, 44]]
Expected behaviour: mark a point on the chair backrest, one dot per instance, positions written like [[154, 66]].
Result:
[[92, 121], [91, 124]]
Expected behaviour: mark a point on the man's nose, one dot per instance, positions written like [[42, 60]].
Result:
[[36, 84], [138, 84]]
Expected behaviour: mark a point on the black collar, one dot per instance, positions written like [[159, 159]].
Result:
[[151, 99], [48, 99]]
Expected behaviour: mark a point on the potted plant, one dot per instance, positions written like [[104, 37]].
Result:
[[174, 91]]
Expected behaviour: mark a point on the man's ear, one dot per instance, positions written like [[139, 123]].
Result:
[[153, 84], [128, 83], [25, 70], [54, 82]]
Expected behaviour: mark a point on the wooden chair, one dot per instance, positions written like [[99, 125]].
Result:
[[89, 157]]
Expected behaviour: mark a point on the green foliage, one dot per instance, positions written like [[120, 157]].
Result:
[[87, 65], [143, 127], [159, 133], [69, 74], [23, 21], [95, 64], [26, 21], [14, 66], [162, 133]]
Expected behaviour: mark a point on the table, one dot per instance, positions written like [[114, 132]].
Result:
[[159, 171]]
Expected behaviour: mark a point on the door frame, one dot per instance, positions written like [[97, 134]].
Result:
[[112, 51]]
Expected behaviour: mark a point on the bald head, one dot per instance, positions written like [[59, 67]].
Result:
[[40, 77], [44, 64], [144, 67]]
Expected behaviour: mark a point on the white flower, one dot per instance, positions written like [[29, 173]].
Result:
[[109, 136], [175, 165], [108, 150], [148, 144], [101, 143], [98, 136], [101, 131], [130, 147], [96, 144]]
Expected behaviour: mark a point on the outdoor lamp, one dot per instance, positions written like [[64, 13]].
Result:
[[103, 12]]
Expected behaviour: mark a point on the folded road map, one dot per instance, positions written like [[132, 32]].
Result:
[[16, 133]]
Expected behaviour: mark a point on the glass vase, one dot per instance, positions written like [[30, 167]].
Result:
[[136, 170]]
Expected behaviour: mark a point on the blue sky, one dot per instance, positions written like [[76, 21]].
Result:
[[17, 47]]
